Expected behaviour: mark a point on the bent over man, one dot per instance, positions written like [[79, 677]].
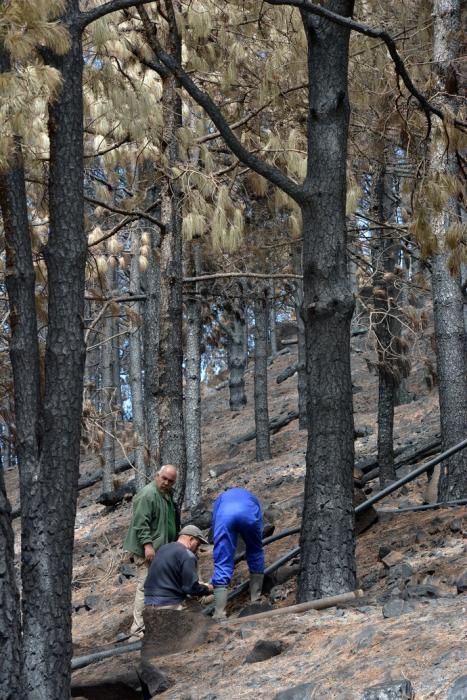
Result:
[[173, 573], [155, 522], [236, 512]]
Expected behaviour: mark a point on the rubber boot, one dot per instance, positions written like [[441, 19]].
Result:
[[256, 587], [220, 601]]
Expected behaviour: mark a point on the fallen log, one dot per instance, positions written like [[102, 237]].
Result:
[[286, 373], [319, 604], [275, 424], [86, 481], [407, 457]]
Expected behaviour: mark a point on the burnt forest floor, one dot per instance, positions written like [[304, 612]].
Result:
[[410, 624]]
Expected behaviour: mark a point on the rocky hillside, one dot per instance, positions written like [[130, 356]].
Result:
[[409, 629]]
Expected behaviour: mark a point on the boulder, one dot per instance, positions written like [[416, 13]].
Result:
[[393, 690], [264, 650]]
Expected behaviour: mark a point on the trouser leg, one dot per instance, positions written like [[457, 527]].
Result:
[[137, 628]]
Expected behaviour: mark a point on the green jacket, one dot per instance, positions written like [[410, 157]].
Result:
[[154, 520]]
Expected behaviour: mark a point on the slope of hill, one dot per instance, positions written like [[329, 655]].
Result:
[[409, 625]]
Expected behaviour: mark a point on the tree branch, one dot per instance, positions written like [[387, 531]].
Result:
[[105, 9], [257, 275], [260, 166], [125, 212], [383, 35]]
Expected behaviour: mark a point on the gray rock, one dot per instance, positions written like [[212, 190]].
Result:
[[152, 680], [456, 525], [91, 602], [264, 650], [459, 690], [255, 608], [397, 607], [305, 691], [401, 571], [393, 690]]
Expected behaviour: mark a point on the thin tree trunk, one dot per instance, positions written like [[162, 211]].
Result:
[[135, 376], [193, 383], [302, 377], [172, 435], [108, 416], [384, 323], [9, 603], [263, 443], [272, 324], [446, 284], [236, 359], [327, 565], [151, 354]]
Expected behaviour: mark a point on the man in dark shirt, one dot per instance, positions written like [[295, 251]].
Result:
[[173, 573]]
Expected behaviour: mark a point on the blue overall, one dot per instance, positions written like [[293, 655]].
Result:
[[236, 512]]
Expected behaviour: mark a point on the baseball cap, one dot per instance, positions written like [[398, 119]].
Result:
[[193, 531]]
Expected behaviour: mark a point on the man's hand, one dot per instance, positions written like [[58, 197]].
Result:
[[149, 552]]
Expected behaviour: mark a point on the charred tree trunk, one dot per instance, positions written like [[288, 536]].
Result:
[[10, 623], [263, 443], [272, 324], [327, 564], [193, 383], [24, 356], [302, 377], [236, 358], [107, 403], [384, 320], [151, 354], [47, 532], [172, 435], [446, 279], [135, 375]]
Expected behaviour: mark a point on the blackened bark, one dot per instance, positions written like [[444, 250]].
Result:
[[151, 354], [263, 443], [47, 536], [384, 319], [272, 324], [135, 376], [236, 359], [302, 377], [24, 355], [108, 422], [193, 382], [172, 435], [446, 287], [9, 604], [327, 564]]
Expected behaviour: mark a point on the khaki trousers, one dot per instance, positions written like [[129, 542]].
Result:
[[137, 628]]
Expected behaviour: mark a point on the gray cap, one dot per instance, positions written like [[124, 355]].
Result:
[[193, 531]]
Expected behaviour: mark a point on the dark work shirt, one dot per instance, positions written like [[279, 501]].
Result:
[[173, 574]]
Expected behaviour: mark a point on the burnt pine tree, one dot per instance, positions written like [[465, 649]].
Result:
[[446, 260], [48, 415], [193, 377], [263, 441], [328, 559]]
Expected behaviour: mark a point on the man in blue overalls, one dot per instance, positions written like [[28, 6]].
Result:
[[236, 512]]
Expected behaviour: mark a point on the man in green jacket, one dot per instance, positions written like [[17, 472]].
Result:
[[155, 522]]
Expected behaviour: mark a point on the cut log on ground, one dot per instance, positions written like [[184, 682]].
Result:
[[275, 424], [87, 480], [405, 456], [319, 604], [286, 373]]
